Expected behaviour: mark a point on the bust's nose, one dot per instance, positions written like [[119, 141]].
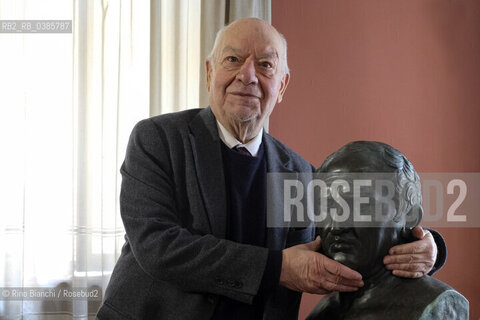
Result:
[[338, 227]]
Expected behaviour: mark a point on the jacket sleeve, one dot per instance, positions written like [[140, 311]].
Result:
[[441, 251], [162, 246]]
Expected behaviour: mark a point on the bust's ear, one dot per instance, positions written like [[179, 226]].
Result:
[[413, 217]]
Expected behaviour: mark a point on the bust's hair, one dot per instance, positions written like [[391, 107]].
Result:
[[408, 183]]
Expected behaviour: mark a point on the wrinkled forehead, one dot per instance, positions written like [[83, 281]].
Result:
[[256, 38]]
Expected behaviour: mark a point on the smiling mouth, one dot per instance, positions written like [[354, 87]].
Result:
[[244, 95]]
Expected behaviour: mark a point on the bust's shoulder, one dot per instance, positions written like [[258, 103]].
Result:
[[426, 286], [398, 298], [449, 304], [429, 298]]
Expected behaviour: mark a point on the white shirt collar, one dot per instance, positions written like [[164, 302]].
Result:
[[252, 146]]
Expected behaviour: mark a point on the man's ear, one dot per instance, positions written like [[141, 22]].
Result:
[[208, 66], [413, 217], [283, 87]]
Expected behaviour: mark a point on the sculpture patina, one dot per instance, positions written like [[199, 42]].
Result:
[[362, 248]]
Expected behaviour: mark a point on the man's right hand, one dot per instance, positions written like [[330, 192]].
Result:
[[306, 270]]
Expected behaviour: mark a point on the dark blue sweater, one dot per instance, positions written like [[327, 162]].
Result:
[[245, 180]]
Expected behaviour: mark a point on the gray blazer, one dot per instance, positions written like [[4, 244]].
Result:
[[176, 262]]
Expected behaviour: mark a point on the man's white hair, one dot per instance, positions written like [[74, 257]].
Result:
[[212, 56]]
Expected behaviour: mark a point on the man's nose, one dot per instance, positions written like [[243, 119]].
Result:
[[247, 73]]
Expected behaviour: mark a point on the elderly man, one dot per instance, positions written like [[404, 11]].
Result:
[[194, 208], [363, 246]]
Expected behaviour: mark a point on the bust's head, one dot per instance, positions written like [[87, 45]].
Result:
[[362, 246]]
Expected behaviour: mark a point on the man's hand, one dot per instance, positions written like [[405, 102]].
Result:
[[415, 259], [305, 270]]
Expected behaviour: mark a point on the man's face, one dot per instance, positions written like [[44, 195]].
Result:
[[357, 246], [246, 78]]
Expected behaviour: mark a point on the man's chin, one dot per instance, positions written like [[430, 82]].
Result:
[[242, 116]]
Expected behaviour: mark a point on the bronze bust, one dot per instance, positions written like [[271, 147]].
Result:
[[362, 248]]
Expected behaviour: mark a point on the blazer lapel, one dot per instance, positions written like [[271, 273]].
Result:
[[209, 168], [210, 174], [277, 160]]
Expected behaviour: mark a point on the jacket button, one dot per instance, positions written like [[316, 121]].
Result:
[[235, 284], [211, 298], [220, 282]]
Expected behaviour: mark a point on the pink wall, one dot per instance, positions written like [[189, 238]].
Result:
[[403, 72]]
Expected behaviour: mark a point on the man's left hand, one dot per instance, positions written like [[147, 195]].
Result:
[[415, 259]]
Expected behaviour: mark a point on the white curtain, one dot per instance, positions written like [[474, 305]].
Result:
[[68, 103]]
